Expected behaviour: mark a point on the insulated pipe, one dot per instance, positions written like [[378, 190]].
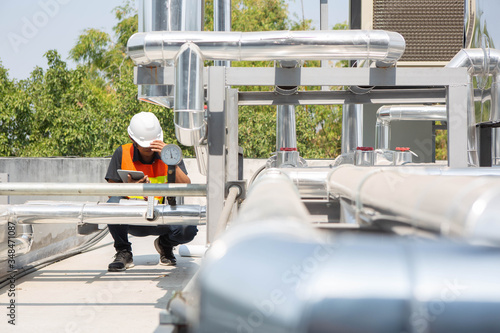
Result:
[[234, 191], [286, 138], [310, 182], [285, 127], [57, 212], [113, 189], [495, 116], [189, 112], [167, 15], [479, 62], [20, 244], [352, 127], [272, 196], [456, 206], [382, 46], [222, 22], [289, 279], [388, 113]]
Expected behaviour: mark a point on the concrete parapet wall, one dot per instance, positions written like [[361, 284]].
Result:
[[93, 170]]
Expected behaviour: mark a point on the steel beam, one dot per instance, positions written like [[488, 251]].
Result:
[[216, 175], [378, 96]]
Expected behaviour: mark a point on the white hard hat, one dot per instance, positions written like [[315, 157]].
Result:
[[144, 127]]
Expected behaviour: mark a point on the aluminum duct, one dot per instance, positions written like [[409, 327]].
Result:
[[455, 206], [387, 114], [352, 128], [311, 182], [294, 280], [110, 189], [286, 138], [480, 62], [189, 112], [159, 47], [18, 240], [60, 212], [167, 15], [222, 22]]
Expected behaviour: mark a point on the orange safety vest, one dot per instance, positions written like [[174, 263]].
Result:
[[157, 172]]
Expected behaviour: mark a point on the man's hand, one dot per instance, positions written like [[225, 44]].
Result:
[[157, 145], [144, 179]]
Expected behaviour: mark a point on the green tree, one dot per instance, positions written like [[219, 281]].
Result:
[[85, 111]]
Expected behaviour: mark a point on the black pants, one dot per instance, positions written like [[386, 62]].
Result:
[[170, 235]]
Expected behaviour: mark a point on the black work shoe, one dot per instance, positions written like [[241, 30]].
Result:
[[167, 257], [123, 260]]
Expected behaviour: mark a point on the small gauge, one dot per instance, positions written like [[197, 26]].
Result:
[[171, 154]]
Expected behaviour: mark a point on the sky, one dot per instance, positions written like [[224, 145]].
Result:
[[29, 28]]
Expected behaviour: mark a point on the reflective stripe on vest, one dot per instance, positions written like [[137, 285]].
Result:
[[157, 172]]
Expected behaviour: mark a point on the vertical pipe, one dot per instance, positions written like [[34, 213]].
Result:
[[285, 127], [352, 127], [167, 15], [472, 155], [222, 22], [286, 138], [495, 116], [192, 15], [189, 112], [158, 15], [383, 134], [323, 19]]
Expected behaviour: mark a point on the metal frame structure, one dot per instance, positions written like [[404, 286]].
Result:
[[428, 85]]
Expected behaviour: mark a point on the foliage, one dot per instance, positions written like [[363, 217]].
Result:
[[441, 144], [85, 111]]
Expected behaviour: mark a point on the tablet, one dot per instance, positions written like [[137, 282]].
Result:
[[134, 174]]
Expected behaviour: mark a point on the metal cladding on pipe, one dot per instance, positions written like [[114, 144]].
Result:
[[312, 183], [167, 15], [295, 282], [272, 195], [481, 62], [286, 138], [91, 189], [388, 113], [352, 127], [57, 212], [381, 46], [20, 244], [478, 61], [189, 112], [495, 116], [456, 206], [222, 21], [285, 127]]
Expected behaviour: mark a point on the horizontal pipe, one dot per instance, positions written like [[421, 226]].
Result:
[[272, 195], [478, 61], [155, 48], [311, 182], [60, 212], [288, 280], [388, 113], [109, 189], [455, 205]]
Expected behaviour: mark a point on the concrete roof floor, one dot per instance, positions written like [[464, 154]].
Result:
[[78, 294]]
